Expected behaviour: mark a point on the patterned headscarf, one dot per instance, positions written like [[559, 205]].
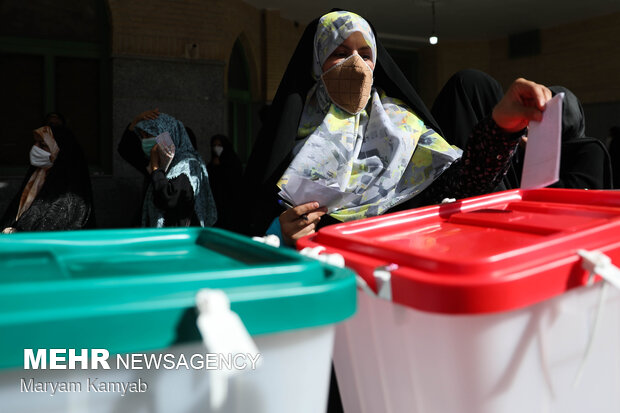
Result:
[[385, 154], [186, 161], [334, 28]]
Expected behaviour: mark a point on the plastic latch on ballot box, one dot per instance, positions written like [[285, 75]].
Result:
[[383, 278], [336, 260], [600, 264], [383, 275], [272, 240], [596, 263], [223, 332]]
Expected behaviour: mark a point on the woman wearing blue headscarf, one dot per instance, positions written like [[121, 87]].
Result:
[[178, 193]]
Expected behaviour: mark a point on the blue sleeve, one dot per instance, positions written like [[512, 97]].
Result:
[[275, 229]]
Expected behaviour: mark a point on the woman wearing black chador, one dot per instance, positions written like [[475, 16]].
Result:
[[56, 193], [345, 117]]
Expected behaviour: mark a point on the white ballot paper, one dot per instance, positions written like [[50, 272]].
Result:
[[166, 149], [541, 165], [300, 190]]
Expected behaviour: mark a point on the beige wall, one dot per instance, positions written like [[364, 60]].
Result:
[[165, 29], [583, 56], [441, 62]]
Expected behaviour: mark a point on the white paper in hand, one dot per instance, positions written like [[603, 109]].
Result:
[[541, 165], [300, 190], [166, 149]]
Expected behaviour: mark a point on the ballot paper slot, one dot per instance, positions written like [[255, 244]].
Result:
[[535, 222], [591, 211]]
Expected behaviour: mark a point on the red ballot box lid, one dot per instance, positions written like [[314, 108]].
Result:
[[490, 253]]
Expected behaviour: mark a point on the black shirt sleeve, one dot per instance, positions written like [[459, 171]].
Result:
[[130, 149], [174, 196]]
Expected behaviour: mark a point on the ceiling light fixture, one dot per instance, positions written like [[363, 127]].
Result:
[[433, 38]]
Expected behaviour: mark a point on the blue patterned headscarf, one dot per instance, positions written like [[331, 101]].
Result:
[[186, 161]]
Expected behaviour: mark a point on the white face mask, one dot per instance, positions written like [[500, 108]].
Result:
[[40, 158], [218, 150]]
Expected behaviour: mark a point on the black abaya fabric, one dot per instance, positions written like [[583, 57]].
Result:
[[584, 164], [225, 179], [614, 153], [65, 201], [467, 97], [130, 149], [584, 161], [176, 197]]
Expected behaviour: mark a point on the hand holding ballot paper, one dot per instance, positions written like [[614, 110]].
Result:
[[307, 201], [165, 150], [299, 190], [541, 165]]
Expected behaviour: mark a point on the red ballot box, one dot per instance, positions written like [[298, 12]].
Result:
[[482, 305]]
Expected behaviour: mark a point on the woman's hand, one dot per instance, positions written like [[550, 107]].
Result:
[[9, 230], [524, 101], [300, 221], [154, 165], [148, 115], [166, 154]]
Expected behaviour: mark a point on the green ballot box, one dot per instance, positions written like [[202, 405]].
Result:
[[162, 320]]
